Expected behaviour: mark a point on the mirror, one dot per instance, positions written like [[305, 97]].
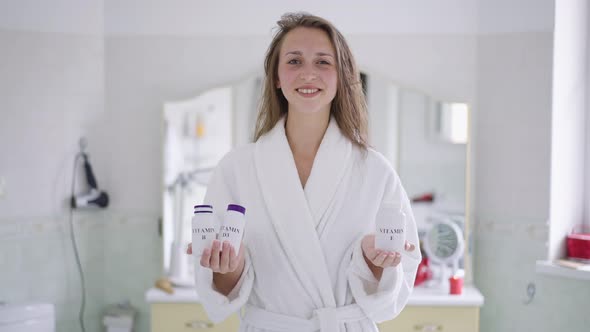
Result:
[[431, 159], [197, 133], [424, 138]]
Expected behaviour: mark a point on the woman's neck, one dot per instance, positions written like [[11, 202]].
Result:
[[305, 132]]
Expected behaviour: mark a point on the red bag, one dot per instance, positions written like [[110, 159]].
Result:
[[578, 245]]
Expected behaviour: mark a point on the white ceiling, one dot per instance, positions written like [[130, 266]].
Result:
[[257, 17]]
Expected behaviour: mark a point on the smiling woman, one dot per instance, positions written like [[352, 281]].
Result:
[[310, 178], [403, 128]]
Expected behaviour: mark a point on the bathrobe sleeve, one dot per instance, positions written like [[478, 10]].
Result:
[[384, 299], [218, 306]]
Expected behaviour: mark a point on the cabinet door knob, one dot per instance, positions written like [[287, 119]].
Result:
[[428, 328], [198, 325]]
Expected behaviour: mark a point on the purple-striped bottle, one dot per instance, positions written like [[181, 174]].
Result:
[[232, 228], [204, 228]]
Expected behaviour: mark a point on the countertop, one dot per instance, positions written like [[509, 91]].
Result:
[[421, 296]]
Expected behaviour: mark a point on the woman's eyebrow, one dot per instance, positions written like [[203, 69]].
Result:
[[300, 53], [324, 54]]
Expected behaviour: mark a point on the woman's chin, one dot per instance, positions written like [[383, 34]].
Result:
[[309, 110]]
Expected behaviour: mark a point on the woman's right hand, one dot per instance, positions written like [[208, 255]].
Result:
[[220, 259]]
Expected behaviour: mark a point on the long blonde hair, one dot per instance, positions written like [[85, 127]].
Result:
[[349, 107]]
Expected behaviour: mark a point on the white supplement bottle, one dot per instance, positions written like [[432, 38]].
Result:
[[390, 228], [232, 228], [204, 229]]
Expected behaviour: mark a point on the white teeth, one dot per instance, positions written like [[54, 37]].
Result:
[[308, 90]]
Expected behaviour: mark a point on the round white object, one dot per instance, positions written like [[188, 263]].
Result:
[[443, 242]]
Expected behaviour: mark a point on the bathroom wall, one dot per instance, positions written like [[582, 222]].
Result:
[[73, 79], [51, 88], [52, 91], [512, 191], [570, 95]]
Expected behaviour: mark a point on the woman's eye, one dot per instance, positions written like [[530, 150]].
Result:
[[323, 62], [293, 62]]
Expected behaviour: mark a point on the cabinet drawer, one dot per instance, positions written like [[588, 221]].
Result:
[[187, 317], [434, 319]]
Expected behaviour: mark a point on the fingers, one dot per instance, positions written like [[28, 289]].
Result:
[[189, 249], [409, 246], [214, 261], [373, 254], [387, 259], [221, 258], [241, 253], [234, 261], [224, 259], [205, 258], [397, 260], [378, 261]]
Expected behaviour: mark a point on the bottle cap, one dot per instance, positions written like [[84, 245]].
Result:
[[237, 208], [203, 209]]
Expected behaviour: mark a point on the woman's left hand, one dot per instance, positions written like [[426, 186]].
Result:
[[379, 258]]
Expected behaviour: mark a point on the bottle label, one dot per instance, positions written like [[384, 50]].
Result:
[[227, 230], [390, 228], [390, 233], [232, 229], [204, 233]]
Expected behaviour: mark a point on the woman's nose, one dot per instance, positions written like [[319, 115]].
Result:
[[308, 74]]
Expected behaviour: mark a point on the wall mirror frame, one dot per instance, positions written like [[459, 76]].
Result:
[[428, 141]]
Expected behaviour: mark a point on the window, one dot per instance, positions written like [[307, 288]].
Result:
[[570, 141]]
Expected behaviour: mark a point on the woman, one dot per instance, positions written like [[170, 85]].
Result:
[[312, 189]]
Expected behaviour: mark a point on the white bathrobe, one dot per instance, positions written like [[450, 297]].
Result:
[[304, 266]]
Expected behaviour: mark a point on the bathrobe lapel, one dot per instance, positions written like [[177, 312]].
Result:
[[295, 212], [332, 162]]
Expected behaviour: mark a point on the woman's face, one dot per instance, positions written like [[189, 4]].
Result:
[[307, 70]]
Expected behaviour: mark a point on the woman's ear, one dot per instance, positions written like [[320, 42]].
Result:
[[278, 84]]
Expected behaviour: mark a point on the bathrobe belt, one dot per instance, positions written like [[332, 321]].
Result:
[[323, 319]]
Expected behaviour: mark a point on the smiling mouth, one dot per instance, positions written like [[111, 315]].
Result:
[[308, 92]]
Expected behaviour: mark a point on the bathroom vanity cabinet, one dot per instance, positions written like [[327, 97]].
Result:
[[428, 310]]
